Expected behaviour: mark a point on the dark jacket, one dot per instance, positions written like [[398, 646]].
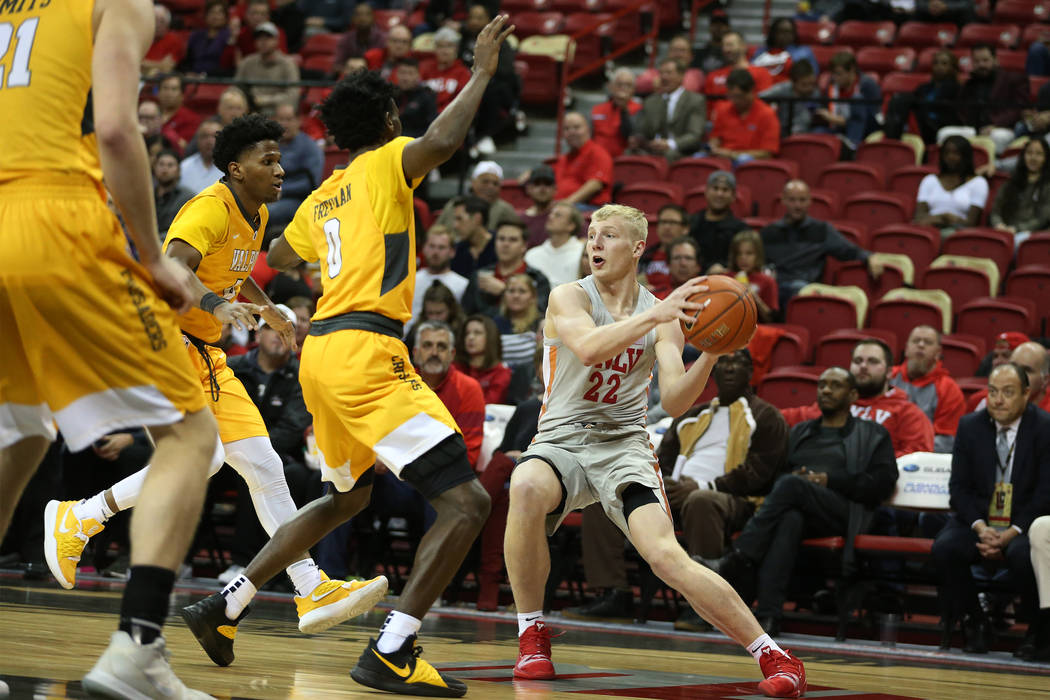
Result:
[[476, 301], [974, 468], [799, 251], [871, 473], [1004, 95], [279, 399], [417, 109], [765, 458]]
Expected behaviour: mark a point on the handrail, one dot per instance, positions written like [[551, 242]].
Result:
[[567, 76]]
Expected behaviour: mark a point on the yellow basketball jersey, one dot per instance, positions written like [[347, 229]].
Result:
[[45, 88], [218, 227], [359, 223]]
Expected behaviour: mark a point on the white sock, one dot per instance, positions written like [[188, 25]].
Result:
[[527, 620], [305, 576], [395, 630], [761, 644], [238, 594], [94, 508]]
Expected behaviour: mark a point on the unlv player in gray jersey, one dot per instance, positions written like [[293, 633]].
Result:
[[602, 337]]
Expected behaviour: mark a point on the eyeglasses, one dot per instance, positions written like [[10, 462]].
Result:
[[670, 221]]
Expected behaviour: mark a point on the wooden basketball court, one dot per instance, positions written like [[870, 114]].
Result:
[[50, 637]]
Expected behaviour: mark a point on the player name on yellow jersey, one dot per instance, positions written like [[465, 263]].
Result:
[[243, 260], [325, 207]]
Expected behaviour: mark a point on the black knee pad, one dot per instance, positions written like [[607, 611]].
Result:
[[634, 496], [442, 467]]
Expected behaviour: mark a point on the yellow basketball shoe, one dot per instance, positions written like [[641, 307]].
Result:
[[64, 540], [332, 602]]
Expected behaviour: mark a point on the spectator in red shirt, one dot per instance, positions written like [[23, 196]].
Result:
[[654, 267], [930, 386], [445, 74], [167, 48], [462, 395], [744, 127], [746, 259], [611, 120], [177, 119], [909, 428], [398, 45], [734, 48], [363, 35], [479, 354], [583, 175], [256, 13]]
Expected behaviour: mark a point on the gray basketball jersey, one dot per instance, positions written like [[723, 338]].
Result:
[[615, 392]]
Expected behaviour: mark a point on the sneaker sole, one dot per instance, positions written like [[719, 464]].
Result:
[[380, 682], [358, 602], [51, 544], [207, 637], [769, 692], [106, 685]]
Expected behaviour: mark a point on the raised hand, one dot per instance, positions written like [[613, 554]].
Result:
[[488, 43]]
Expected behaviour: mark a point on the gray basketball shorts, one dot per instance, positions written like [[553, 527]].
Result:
[[596, 465]]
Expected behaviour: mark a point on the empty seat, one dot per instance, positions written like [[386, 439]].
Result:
[[891, 154], [884, 59], [385, 19], [878, 208], [650, 196], [920, 243], [856, 274], [766, 179], [630, 169], [995, 245], [985, 266], [324, 44], [961, 354], [788, 389], [824, 308], [815, 32], [1034, 251], [922, 34], [1003, 36], [1031, 282], [542, 79], [1022, 11], [895, 82], [902, 315], [538, 23], [856, 34], [850, 178], [962, 284], [984, 316], [812, 152]]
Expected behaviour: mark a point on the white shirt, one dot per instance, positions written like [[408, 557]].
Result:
[[973, 193], [195, 176], [707, 460], [456, 283], [559, 265]]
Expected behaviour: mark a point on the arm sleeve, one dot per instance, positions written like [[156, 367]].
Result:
[[297, 233], [927, 189], [799, 414], [838, 247], [912, 431], [764, 460], [875, 483], [202, 224], [961, 486], [978, 188]]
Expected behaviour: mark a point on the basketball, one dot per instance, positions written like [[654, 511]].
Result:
[[729, 320]]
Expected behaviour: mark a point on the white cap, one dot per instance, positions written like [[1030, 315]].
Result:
[[285, 311], [487, 167]]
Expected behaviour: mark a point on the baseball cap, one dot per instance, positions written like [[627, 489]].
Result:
[[487, 167], [723, 175], [1011, 338], [266, 28], [285, 311], [541, 173]]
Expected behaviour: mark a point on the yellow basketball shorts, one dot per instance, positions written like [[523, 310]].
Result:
[[237, 415], [367, 401], [85, 342]]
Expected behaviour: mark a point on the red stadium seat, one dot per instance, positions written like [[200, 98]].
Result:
[[1022, 11], [926, 59], [906, 179], [787, 390], [569, 6], [855, 231], [691, 173], [962, 284], [650, 196], [823, 54], [902, 315], [856, 34], [334, 158], [1031, 282], [923, 34], [878, 208], [516, 7], [318, 62], [920, 243], [589, 47], [542, 23], [997, 246], [1003, 36], [766, 179], [961, 354], [850, 178], [889, 153], [836, 348], [815, 32], [696, 199], [1034, 251], [982, 316], [812, 152], [203, 98], [513, 192], [799, 351], [1035, 32], [385, 19], [324, 44], [824, 205], [630, 169], [542, 80], [895, 82], [885, 59], [821, 314], [857, 274]]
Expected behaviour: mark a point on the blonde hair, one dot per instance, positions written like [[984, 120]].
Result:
[[747, 236], [532, 314], [634, 219]]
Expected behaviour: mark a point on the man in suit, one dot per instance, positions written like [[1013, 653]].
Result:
[[1000, 483], [671, 122]]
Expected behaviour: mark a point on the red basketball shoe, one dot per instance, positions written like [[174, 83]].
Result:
[[785, 675], [534, 654]]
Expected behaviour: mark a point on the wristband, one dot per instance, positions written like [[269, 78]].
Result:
[[211, 301]]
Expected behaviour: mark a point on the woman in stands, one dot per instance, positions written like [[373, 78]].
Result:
[[439, 304], [747, 256], [955, 196], [1023, 202], [479, 354], [782, 49], [519, 320]]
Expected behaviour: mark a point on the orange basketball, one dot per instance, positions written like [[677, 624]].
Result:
[[728, 322]]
